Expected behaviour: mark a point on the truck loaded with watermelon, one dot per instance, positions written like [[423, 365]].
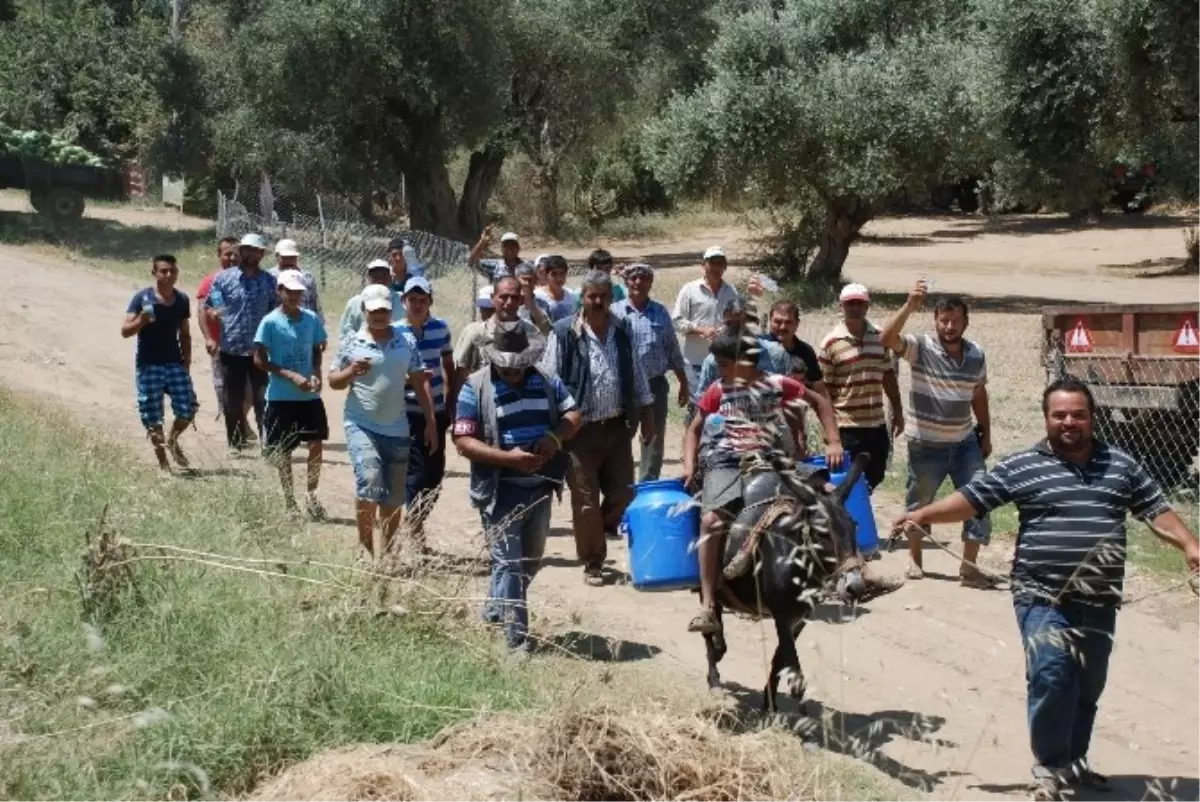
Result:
[[57, 174]]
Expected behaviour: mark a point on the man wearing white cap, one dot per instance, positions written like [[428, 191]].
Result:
[[470, 353], [859, 372], [377, 363], [287, 257], [506, 265], [484, 303], [288, 347], [379, 274], [700, 309], [240, 297]]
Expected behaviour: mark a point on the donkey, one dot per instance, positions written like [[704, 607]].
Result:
[[792, 543]]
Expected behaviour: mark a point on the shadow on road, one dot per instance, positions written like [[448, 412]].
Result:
[[858, 735], [604, 650], [1124, 786], [100, 239]]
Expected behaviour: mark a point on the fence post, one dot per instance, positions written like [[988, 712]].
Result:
[[324, 238], [220, 213]]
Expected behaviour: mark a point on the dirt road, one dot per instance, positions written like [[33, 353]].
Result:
[[926, 682]]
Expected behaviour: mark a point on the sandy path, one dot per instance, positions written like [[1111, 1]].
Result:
[[928, 679]]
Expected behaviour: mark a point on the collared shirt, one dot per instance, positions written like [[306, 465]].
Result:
[[495, 269], [772, 359], [853, 370], [939, 401], [654, 340], [697, 305], [289, 343], [1071, 520], [432, 340], [468, 351], [556, 309], [311, 300], [352, 316], [602, 397], [376, 400], [245, 302]]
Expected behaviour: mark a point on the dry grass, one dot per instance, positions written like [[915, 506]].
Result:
[[573, 754]]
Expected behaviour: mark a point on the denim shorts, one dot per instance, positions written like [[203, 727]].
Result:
[[931, 464], [380, 465]]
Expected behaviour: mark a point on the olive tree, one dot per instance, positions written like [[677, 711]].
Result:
[[837, 107]]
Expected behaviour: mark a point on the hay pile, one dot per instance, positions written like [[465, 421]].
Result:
[[571, 755]]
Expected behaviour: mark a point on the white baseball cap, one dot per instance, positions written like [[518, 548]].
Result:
[[287, 247], [253, 241], [854, 292], [484, 299], [715, 252], [418, 284], [509, 236], [376, 297], [378, 264], [290, 280]]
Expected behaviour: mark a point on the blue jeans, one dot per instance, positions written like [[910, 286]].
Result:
[[930, 464], [380, 463], [516, 555], [1066, 666]]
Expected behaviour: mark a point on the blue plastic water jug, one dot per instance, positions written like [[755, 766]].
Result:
[[662, 526], [858, 505]]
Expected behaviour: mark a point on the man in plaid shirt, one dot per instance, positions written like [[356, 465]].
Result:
[[655, 345]]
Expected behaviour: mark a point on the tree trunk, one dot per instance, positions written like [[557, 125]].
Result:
[[482, 173], [844, 218], [545, 184], [432, 206]]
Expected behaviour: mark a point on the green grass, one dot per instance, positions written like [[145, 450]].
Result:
[[253, 672], [1146, 552]]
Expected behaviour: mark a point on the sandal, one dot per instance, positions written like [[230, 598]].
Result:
[[978, 580], [593, 577], [705, 623], [177, 453], [914, 572]]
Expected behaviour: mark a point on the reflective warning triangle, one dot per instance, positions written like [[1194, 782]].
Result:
[[1187, 338], [1080, 338]]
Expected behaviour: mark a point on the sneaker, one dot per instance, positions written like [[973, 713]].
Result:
[[315, 511], [1046, 789], [1083, 776], [593, 576], [914, 572]]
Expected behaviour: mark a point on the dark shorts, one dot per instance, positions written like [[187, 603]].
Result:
[[874, 441], [723, 491], [289, 423]]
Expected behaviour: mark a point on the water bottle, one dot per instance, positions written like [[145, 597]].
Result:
[[215, 299], [148, 305], [714, 425]]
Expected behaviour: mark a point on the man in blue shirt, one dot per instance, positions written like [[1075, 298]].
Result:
[[158, 317], [510, 424], [658, 349], [288, 348], [240, 298], [427, 464]]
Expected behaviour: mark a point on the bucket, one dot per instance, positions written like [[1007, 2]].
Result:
[[858, 505], [662, 528]]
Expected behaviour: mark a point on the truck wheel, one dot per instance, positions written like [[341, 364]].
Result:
[[63, 205], [37, 199]]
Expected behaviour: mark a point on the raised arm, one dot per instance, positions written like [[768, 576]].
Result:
[[892, 329]]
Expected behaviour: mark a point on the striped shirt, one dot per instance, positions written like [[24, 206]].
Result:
[[1071, 531], [432, 341], [522, 413], [753, 419], [654, 341], [942, 389], [853, 371]]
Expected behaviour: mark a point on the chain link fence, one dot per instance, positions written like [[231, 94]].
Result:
[[337, 244], [1149, 406]]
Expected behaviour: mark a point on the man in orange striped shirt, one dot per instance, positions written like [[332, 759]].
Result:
[[859, 373]]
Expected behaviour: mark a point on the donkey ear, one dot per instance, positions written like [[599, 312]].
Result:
[[842, 491]]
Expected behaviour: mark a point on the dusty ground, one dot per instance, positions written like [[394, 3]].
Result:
[[927, 681]]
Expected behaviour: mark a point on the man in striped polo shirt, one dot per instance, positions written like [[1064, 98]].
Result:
[[947, 398], [427, 466], [859, 373], [1072, 493]]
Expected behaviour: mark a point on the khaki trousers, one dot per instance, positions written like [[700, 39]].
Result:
[[601, 478]]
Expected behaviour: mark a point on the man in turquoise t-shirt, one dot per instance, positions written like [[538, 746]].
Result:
[[288, 347]]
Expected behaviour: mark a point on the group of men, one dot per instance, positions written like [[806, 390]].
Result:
[[551, 385]]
